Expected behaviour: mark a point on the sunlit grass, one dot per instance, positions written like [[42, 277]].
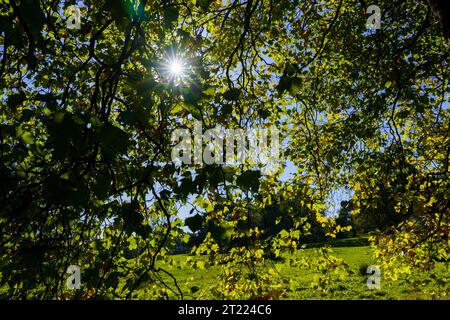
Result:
[[354, 287]]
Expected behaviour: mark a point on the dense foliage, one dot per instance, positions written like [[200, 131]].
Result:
[[86, 176]]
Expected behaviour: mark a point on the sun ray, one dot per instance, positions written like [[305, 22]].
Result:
[[176, 70]]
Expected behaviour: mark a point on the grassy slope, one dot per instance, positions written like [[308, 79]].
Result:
[[354, 287]]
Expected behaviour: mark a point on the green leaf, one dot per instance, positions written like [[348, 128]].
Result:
[[113, 139], [249, 180], [232, 94], [118, 12], [145, 87], [193, 94], [219, 233], [16, 99], [27, 137], [187, 186], [170, 16], [194, 223], [284, 84], [204, 4], [226, 110]]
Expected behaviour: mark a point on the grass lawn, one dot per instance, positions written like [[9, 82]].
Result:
[[357, 255]]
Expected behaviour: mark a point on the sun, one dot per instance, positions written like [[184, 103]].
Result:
[[176, 70]]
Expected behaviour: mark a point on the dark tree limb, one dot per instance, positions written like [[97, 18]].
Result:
[[441, 9]]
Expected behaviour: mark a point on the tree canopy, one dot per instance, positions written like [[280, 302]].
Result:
[[87, 115]]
